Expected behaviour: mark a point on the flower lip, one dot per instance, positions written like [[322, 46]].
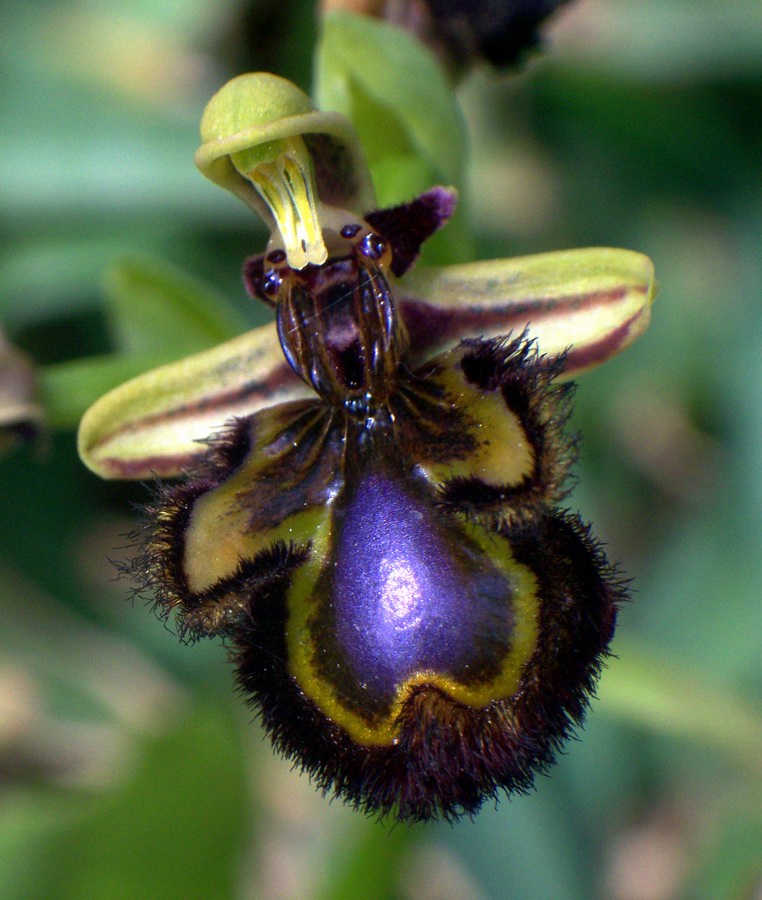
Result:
[[312, 550]]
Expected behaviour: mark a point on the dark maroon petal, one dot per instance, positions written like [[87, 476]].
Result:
[[407, 226]]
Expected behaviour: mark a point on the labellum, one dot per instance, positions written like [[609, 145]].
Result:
[[374, 524]]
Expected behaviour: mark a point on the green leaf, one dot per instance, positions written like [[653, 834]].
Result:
[[144, 839], [68, 389], [372, 867], [157, 314], [155, 308], [668, 697], [729, 863], [398, 98]]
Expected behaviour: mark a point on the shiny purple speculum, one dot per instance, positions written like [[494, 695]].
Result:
[[408, 599]]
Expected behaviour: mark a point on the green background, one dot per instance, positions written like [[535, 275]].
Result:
[[128, 765]]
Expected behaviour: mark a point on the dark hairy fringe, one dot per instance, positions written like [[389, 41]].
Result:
[[527, 381], [450, 758], [155, 572]]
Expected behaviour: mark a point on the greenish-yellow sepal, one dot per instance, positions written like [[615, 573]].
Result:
[[592, 302], [154, 423]]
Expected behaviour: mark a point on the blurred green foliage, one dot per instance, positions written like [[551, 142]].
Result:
[[128, 766]]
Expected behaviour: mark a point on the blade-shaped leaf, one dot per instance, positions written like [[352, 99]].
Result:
[[156, 308], [393, 90], [157, 314], [669, 697], [152, 424], [68, 388], [593, 302]]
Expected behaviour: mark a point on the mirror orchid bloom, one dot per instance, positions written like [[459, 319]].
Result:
[[369, 504]]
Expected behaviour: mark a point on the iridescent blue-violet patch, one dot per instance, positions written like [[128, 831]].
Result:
[[416, 603], [417, 623]]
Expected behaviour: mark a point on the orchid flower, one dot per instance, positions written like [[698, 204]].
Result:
[[369, 504]]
